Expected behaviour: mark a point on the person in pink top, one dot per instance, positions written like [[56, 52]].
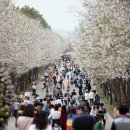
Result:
[[26, 120]]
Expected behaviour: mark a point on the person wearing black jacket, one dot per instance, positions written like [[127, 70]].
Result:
[[80, 86]]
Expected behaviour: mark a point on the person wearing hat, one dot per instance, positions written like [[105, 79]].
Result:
[[81, 108], [83, 121]]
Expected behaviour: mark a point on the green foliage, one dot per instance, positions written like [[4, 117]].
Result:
[[34, 14]]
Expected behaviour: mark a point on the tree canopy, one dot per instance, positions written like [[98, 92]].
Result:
[[24, 43], [102, 39], [102, 45], [34, 14]]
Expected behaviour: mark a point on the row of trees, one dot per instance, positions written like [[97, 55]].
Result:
[[24, 43], [27, 45], [7, 96], [102, 45]]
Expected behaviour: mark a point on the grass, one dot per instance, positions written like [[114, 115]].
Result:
[[106, 101]]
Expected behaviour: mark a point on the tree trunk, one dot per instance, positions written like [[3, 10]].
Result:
[[128, 92]]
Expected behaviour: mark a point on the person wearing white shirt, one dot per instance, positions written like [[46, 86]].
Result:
[[65, 99], [68, 75], [46, 74], [91, 97], [58, 101], [26, 101], [55, 115], [53, 102], [38, 98], [94, 111], [27, 94], [52, 110], [34, 87], [86, 96]]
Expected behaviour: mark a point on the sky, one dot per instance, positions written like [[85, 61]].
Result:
[[59, 14]]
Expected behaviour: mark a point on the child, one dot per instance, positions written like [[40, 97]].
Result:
[[56, 126], [98, 125]]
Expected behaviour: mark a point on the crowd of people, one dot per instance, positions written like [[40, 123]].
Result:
[[70, 102]]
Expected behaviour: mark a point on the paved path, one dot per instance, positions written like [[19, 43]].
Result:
[[11, 124], [108, 122]]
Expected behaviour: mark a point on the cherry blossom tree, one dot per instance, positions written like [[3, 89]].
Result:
[[24, 43], [102, 43], [7, 96]]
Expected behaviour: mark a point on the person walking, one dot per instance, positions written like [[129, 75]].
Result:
[[116, 110], [80, 86], [27, 94], [63, 118], [65, 98], [55, 115], [26, 101], [83, 121], [34, 87], [94, 88], [76, 82], [61, 82], [40, 122], [122, 122], [86, 96], [97, 99], [15, 108], [88, 85], [21, 95], [68, 85], [70, 117], [104, 111], [26, 119], [91, 97]]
